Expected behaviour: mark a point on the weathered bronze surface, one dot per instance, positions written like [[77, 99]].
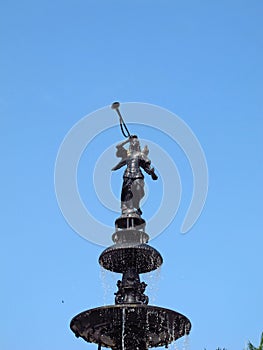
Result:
[[131, 324], [133, 179]]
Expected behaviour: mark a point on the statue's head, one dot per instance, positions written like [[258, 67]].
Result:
[[134, 144]]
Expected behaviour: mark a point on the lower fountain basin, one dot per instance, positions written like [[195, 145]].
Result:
[[125, 327]]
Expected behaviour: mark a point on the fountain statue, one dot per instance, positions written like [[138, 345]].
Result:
[[131, 324], [133, 183]]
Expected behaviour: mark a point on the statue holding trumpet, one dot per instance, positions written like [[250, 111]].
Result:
[[134, 159]]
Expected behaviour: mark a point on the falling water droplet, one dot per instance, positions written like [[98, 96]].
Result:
[[152, 279], [108, 281], [173, 346], [147, 327], [103, 283], [123, 329], [186, 345]]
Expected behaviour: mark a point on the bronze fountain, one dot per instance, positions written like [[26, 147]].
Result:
[[131, 324]]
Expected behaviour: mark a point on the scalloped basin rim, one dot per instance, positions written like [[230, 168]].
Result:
[[153, 325]]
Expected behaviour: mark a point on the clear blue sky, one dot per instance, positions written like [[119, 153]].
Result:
[[61, 60]]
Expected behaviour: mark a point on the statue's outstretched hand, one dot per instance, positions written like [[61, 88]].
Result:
[[154, 176]]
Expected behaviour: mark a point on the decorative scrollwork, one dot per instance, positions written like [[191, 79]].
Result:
[[131, 292]]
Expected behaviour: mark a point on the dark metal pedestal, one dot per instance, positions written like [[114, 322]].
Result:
[[130, 324]]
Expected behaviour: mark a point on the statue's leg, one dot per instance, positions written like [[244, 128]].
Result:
[[138, 194], [126, 195]]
